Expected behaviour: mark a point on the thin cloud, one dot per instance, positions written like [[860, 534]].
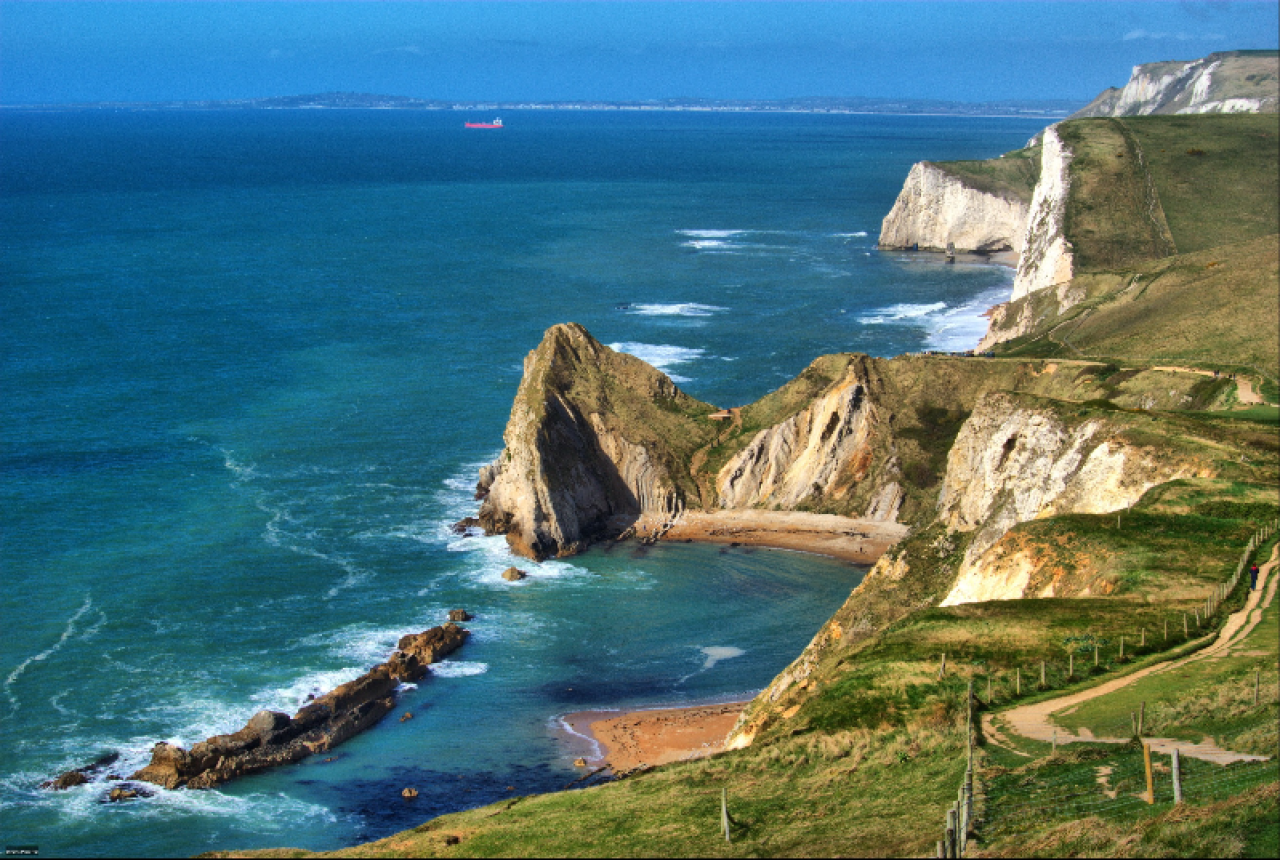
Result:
[[1134, 35]]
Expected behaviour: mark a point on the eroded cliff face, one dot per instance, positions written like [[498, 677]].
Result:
[[1016, 458], [1046, 258], [1013, 462], [821, 452], [596, 439], [936, 209], [1219, 83]]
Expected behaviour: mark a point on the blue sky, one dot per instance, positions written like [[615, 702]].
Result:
[[965, 51]]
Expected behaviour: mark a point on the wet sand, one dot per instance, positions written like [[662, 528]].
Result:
[[856, 540], [632, 739]]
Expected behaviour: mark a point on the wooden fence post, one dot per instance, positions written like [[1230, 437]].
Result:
[[989, 699], [724, 812], [951, 832], [1146, 759], [1186, 632], [1095, 654], [1197, 614], [1177, 777], [1071, 665], [968, 800], [1043, 682], [942, 668], [1121, 649], [1166, 630], [1143, 643], [1142, 716], [1133, 722], [1018, 682]]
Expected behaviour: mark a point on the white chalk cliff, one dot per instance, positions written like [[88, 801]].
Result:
[[1232, 82], [936, 209], [1046, 258], [1013, 462]]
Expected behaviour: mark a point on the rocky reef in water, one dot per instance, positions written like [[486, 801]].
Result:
[[272, 738]]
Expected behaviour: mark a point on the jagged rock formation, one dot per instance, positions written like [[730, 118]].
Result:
[[1046, 258], [1015, 461], [271, 738], [937, 210], [596, 440], [822, 451], [1229, 82]]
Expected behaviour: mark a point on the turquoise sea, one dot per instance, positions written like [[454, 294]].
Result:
[[251, 362]]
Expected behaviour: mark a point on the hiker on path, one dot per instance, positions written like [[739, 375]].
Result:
[[1253, 578]]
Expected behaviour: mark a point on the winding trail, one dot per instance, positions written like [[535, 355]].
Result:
[[1246, 395], [1035, 720]]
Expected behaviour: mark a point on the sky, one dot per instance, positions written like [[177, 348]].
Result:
[[68, 52]]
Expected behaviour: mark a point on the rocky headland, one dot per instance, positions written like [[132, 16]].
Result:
[[271, 738], [929, 466]]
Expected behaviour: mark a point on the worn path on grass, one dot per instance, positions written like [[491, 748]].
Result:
[[1035, 720]]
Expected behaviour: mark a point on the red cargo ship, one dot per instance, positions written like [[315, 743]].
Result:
[[497, 123]]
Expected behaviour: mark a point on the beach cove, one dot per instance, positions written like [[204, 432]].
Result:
[[254, 378]]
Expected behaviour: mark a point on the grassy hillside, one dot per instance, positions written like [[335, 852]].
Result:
[[1173, 222], [1216, 309], [1216, 176]]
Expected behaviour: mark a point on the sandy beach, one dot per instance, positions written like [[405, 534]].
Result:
[[856, 540], [631, 739]]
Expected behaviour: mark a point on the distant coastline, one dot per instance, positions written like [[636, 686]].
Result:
[[1047, 109]]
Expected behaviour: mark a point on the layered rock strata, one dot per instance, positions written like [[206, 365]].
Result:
[[821, 451], [1013, 462], [596, 440], [271, 738], [937, 211]]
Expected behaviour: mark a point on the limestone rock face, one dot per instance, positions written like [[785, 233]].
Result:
[[596, 440], [1227, 82], [1013, 462], [1046, 256], [936, 209], [823, 450]]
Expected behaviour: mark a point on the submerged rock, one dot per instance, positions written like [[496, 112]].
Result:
[[513, 574], [271, 738]]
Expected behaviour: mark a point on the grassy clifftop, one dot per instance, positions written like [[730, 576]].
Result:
[[1013, 174]]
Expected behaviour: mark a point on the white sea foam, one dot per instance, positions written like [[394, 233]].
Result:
[[680, 309], [902, 313], [947, 328], [458, 668], [661, 356], [716, 653], [290, 697], [711, 234], [861, 234], [67, 632], [959, 329], [712, 655]]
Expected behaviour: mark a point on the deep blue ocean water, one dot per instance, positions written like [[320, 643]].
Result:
[[251, 361]]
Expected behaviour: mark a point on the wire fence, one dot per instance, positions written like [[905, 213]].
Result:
[[1098, 782]]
